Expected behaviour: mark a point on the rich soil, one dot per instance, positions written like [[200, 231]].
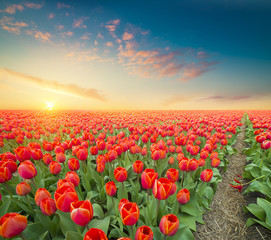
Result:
[[226, 220]]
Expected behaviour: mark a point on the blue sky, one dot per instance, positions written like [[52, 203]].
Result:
[[135, 54]]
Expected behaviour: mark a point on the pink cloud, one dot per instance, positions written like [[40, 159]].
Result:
[[100, 36], [33, 5], [62, 5], [13, 8], [67, 34], [9, 25], [79, 23], [127, 36], [195, 70], [95, 42], [227, 98], [170, 70], [51, 16], [86, 36], [45, 37], [60, 27], [109, 44]]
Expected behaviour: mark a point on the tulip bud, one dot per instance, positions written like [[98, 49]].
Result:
[[169, 224]]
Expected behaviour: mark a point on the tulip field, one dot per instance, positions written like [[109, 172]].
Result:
[[125, 175]]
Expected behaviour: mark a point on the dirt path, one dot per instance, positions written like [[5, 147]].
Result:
[[226, 220]]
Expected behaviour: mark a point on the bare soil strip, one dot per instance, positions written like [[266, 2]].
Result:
[[226, 220]]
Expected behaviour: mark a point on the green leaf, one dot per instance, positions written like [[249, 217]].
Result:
[[23, 206], [183, 234], [98, 211], [73, 236], [5, 206], [266, 205], [191, 208], [188, 220], [33, 231], [256, 210], [65, 223], [101, 224]]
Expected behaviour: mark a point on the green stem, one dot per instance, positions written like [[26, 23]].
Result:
[[132, 232], [102, 187], [8, 190], [28, 203], [33, 182], [254, 180], [156, 214], [78, 228], [114, 206], [123, 190], [165, 236], [154, 164]]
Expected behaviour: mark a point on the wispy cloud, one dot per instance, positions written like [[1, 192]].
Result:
[[62, 5], [71, 89], [86, 36], [9, 24], [45, 37], [79, 23], [13, 8], [109, 44], [33, 5], [226, 98], [51, 16], [127, 36], [67, 34]]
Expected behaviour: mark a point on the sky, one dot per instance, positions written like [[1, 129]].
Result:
[[133, 55]]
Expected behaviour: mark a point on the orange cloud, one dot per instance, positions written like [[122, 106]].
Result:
[[62, 5], [13, 8], [86, 36], [67, 34], [70, 89], [109, 44], [127, 36], [51, 16], [45, 37], [33, 5], [9, 25], [79, 23]]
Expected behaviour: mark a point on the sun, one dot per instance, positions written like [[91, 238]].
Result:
[[50, 105]]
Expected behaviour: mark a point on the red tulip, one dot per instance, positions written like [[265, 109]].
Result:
[[81, 212], [82, 153], [122, 202], [64, 196], [124, 238], [192, 165], [183, 164], [55, 167], [73, 177], [183, 196], [129, 213], [169, 224], [206, 175], [112, 155], [171, 160], [93, 150], [64, 182], [148, 177], [201, 162], [27, 170], [5, 174], [215, 162], [12, 224], [138, 166], [120, 174], [23, 189], [172, 174], [48, 206], [95, 234], [110, 188], [73, 164], [100, 167], [40, 194], [47, 158], [162, 188], [36, 154], [22, 153], [144, 233], [10, 164], [60, 157]]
